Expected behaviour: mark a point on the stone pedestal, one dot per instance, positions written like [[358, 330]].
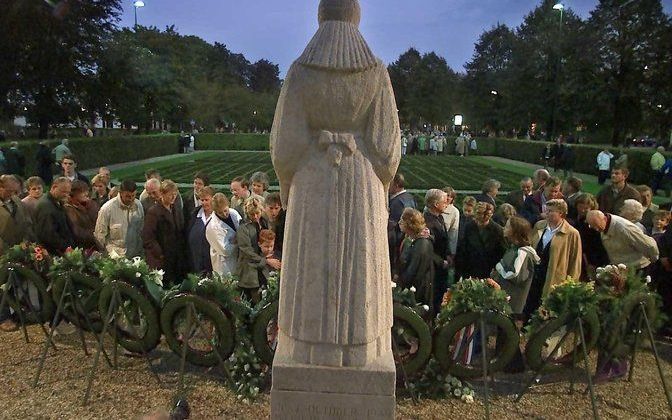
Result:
[[321, 392]]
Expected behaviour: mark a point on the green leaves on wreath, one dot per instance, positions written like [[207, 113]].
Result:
[[571, 296], [475, 295]]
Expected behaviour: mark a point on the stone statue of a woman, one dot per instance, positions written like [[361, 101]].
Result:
[[335, 146]]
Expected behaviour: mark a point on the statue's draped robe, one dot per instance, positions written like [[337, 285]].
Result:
[[335, 148]]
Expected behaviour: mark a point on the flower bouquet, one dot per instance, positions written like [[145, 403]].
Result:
[[29, 293], [622, 292]]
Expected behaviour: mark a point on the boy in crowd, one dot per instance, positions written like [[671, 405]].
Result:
[[276, 218]]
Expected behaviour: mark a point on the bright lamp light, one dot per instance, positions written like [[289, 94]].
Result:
[[139, 3], [558, 6]]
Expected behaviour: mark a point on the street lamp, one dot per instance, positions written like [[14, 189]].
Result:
[[136, 5], [561, 8]]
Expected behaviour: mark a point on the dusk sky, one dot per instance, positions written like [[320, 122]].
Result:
[[278, 30]]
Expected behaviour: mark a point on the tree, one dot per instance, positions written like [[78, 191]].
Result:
[[265, 77], [539, 85], [56, 51], [629, 34], [487, 80], [425, 88]]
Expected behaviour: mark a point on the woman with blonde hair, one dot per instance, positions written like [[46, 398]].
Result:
[[418, 258], [250, 258], [99, 191], [221, 235]]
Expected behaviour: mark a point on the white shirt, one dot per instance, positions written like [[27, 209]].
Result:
[[604, 160], [203, 217], [549, 234]]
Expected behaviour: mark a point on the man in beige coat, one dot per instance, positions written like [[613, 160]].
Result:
[[564, 242]]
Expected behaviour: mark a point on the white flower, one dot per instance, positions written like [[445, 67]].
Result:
[[469, 399], [137, 274], [394, 285], [622, 267], [425, 307], [114, 255], [136, 261], [648, 279], [413, 289]]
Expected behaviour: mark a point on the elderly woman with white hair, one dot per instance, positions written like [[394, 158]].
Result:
[[633, 211]]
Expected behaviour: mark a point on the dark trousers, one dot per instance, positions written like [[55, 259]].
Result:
[[440, 287], [602, 177]]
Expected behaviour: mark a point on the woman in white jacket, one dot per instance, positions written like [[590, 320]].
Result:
[[221, 235]]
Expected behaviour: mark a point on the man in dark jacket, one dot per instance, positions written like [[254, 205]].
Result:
[[44, 162], [52, 228], [191, 198], [16, 162], [517, 198], [482, 246], [611, 198], [15, 223], [69, 166], [436, 202], [399, 200]]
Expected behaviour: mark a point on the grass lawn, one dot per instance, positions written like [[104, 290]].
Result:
[[421, 172]]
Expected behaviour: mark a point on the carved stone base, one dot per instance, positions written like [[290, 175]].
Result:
[[319, 392]]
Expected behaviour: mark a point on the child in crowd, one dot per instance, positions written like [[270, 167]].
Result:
[[661, 270], [251, 260], [266, 242], [275, 215], [660, 222]]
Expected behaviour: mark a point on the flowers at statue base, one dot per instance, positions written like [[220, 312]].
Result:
[[474, 295], [27, 254], [433, 383]]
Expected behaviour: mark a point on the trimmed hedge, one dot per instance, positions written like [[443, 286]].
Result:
[[102, 151], [253, 142], [586, 155]]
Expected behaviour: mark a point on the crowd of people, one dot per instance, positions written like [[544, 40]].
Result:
[[201, 231], [436, 143], [545, 231]]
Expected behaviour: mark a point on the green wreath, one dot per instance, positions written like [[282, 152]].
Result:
[[412, 338], [537, 342], [141, 332], [87, 290], [221, 325], [264, 347], [47, 307], [622, 337], [503, 355]]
